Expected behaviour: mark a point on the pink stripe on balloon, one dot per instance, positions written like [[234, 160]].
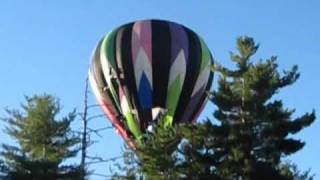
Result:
[[121, 94], [141, 37]]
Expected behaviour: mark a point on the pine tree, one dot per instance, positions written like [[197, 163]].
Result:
[[44, 141], [251, 133], [249, 136]]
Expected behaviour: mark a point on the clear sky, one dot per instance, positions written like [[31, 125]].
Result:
[[45, 47]]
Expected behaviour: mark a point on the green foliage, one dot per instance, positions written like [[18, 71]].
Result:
[[130, 169], [252, 131], [156, 155], [200, 151], [291, 170], [155, 158], [44, 141]]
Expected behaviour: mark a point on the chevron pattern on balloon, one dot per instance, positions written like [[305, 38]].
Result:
[[142, 59], [176, 79], [177, 73]]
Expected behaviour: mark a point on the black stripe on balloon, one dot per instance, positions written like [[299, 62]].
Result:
[[211, 73], [192, 73], [161, 55]]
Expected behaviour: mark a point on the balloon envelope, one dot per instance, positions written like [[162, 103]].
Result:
[[150, 71]]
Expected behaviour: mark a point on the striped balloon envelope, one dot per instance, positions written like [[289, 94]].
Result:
[[150, 71]]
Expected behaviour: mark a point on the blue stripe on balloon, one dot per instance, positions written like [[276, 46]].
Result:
[[145, 92]]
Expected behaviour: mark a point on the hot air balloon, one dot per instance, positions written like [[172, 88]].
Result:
[[149, 71]]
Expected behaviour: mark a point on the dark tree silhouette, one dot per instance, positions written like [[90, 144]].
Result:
[[44, 141]]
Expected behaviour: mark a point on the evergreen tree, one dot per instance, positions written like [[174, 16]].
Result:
[[247, 139], [44, 141], [251, 135]]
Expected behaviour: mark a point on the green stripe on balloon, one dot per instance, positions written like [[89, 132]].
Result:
[[133, 125], [107, 58], [177, 73], [131, 122], [205, 55], [174, 91], [176, 80], [108, 48]]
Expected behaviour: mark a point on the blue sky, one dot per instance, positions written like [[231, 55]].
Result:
[[45, 47]]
